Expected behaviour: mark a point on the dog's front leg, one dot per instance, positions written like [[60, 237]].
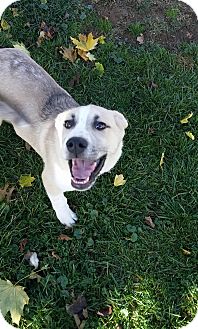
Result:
[[59, 202]]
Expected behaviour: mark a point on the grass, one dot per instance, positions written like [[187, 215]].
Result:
[[150, 283]]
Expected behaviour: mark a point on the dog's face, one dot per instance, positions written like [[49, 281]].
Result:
[[91, 141]]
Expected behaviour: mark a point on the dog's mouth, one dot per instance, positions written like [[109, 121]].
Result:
[[84, 172]]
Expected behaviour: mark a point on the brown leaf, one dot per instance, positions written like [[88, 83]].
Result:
[[152, 85], [105, 311], [69, 53], [6, 192], [46, 32], [64, 237], [149, 221], [27, 146], [75, 80], [23, 244], [79, 310], [55, 255], [140, 39]]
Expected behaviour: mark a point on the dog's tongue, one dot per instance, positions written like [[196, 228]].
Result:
[[82, 169]]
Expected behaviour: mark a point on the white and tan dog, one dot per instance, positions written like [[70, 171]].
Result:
[[76, 143]]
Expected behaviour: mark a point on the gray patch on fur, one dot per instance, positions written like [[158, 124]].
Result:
[[57, 103]]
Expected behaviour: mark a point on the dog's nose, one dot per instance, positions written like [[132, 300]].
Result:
[[76, 145]]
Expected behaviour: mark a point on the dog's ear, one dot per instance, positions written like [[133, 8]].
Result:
[[120, 120]]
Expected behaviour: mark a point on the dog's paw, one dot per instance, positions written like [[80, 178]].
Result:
[[68, 217]]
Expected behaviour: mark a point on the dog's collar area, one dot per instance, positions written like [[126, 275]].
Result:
[[84, 172]]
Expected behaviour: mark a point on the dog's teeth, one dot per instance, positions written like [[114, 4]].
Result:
[[80, 181]]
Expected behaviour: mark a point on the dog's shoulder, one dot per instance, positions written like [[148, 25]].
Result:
[[58, 102]]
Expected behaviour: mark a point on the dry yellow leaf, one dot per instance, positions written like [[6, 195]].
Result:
[[186, 252], [85, 43], [162, 160], [119, 180], [26, 180], [185, 120], [190, 135], [4, 25]]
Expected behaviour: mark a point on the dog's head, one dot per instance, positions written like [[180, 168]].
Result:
[[91, 140]]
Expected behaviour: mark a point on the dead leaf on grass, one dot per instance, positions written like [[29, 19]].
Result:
[[23, 244], [69, 53], [46, 33], [75, 80], [185, 120], [105, 311], [79, 311], [119, 180], [6, 192], [140, 39], [26, 180], [162, 160], [12, 299], [149, 222], [85, 43], [55, 255], [186, 252], [64, 237], [190, 135]]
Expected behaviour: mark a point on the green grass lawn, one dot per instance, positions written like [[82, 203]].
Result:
[[150, 283]]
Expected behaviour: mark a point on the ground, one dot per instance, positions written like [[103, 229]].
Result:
[[168, 22], [143, 275]]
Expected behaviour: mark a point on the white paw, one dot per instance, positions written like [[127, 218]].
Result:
[[67, 217]]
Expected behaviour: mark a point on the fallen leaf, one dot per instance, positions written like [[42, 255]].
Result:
[[55, 255], [23, 244], [4, 25], [185, 120], [162, 160], [27, 146], [190, 135], [64, 237], [101, 39], [15, 12], [26, 180], [186, 252], [46, 32], [6, 192], [140, 39], [105, 311], [83, 55], [75, 80], [12, 299], [152, 85], [149, 222], [21, 46], [119, 180], [69, 53], [85, 43], [100, 68], [79, 310]]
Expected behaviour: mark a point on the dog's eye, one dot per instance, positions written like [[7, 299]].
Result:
[[69, 124], [100, 125]]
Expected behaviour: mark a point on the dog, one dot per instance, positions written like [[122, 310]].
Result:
[[77, 143]]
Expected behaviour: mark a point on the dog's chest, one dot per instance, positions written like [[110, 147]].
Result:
[[62, 178]]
